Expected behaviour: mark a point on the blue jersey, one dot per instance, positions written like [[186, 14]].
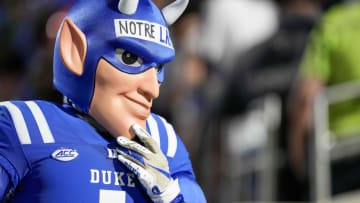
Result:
[[49, 154]]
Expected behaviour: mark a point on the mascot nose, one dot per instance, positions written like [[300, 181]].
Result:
[[150, 87]]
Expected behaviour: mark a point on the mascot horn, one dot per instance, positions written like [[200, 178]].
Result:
[[171, 12]]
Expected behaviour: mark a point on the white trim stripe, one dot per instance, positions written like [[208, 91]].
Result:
[[19, 122], [172, 141], [154, 130], [39, 117]]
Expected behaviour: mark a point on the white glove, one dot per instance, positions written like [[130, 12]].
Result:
[[150, 166]]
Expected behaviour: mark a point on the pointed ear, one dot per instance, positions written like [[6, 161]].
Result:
[[73, 47]]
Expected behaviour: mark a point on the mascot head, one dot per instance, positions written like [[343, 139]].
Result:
[[105, 29]]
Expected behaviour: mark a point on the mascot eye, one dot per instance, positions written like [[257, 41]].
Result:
[[128, 58]]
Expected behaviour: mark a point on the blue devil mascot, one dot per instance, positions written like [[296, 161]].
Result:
[[103, 144]]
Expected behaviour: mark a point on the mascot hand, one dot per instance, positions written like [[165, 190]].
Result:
[[150, 166]]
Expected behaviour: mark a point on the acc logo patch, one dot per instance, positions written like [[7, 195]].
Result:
[[65, 154]]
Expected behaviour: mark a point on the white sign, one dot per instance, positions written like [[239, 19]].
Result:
[[143, 30]]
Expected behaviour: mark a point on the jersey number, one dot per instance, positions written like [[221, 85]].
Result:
[[111, 196]]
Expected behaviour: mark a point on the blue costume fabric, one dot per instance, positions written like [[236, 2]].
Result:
[[50, 153]]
